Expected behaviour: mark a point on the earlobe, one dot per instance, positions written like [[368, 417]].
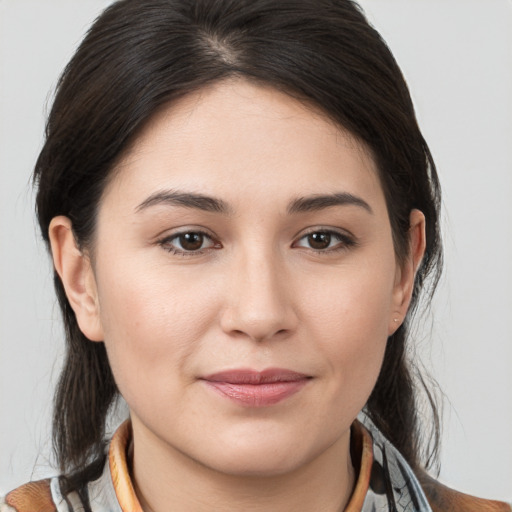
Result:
[[75, 271], [406, 273]]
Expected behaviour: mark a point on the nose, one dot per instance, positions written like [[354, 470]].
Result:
[[259, 304]]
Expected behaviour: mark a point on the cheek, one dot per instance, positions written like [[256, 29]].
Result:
[[354, 303], [153, 322], [348, 315]]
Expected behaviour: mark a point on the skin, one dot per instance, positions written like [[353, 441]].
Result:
[[256, 294]]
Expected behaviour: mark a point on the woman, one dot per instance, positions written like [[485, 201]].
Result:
[[242, 214]]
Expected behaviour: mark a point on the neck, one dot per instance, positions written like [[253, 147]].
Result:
[[166, 479]]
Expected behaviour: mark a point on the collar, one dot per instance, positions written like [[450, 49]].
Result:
[[361, 449], [118, 463]]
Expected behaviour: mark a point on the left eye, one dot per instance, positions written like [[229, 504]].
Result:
[[190, 241], [323, 240]]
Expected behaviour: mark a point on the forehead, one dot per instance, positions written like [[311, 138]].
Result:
[[237, 139]]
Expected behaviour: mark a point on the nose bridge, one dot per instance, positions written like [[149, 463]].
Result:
[[259, 304]]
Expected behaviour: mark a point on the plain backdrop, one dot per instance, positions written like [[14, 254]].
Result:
[[457, 58]]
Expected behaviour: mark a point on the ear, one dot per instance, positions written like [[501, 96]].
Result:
[[406, 271], [75, 271]]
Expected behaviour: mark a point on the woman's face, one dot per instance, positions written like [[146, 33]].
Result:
[[244, 280]]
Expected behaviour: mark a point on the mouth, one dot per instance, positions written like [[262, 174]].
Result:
[[257, 389]]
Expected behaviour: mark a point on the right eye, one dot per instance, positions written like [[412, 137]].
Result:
[[188, 243]]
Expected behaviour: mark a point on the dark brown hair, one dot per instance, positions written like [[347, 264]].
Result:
[[142, 54]]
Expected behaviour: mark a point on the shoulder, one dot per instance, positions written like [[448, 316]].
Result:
[[29, 498], [441, 498], [392, 476], [40, 496]]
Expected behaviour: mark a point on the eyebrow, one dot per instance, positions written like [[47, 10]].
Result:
[[185, 199], [319, 202], [211, 204]]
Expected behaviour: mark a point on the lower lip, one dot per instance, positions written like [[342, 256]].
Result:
[[257, 395]]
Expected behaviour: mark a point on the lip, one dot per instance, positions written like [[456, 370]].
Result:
[[257, 388]]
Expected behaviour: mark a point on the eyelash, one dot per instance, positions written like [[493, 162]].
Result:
[[344, 242], [165, 243]]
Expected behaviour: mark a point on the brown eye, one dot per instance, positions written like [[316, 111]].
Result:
[[319, 241], [188, 242], [191, 241], [327, 241]]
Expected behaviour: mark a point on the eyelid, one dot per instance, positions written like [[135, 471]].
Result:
[[165, 240], [346, 239]]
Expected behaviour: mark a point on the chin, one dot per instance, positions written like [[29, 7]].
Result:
[[260, 466], [267, 458]]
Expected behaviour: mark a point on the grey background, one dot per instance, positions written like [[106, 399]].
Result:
[[457, 58]]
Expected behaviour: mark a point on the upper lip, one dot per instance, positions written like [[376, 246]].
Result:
[[248, 376]]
